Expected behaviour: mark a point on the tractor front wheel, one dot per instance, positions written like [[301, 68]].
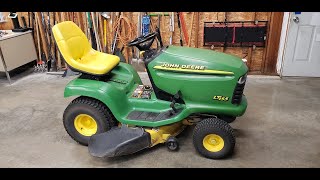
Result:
[[85, 117], [213, 138], [172, 143]]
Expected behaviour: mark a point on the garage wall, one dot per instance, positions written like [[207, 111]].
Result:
[[256, 57]]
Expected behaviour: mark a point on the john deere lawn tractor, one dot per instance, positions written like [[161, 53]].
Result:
[[115, 114]]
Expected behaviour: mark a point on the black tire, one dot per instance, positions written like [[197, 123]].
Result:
[[228, 119], [217, 127], [96, 109], [172, 144]]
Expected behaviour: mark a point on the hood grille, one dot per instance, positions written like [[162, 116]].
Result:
[[238, 92]]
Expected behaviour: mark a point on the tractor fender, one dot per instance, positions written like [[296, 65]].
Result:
[[132, 71], [112, 97]]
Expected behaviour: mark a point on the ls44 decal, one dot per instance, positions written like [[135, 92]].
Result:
[[221, 98]]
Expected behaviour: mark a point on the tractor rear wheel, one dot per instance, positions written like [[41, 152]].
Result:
[[213, 138], [85, 117]]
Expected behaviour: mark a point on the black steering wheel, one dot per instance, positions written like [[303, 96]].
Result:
[[142, 39]]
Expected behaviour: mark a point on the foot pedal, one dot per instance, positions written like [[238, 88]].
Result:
[[119, 141]]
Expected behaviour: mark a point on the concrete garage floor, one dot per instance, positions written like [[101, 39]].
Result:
[[281, 128]]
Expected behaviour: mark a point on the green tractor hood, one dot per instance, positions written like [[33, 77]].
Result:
[[207, 58]]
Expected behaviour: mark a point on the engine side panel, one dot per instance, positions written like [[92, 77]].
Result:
[[204, 77]]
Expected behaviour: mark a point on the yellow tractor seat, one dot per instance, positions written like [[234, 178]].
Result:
[[78, 53]]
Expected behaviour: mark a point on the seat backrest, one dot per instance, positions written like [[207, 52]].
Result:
[[72, 42]]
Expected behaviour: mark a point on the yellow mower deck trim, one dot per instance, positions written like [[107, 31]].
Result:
[[161, 134]]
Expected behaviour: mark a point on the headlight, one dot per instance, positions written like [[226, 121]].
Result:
[[242, 79]]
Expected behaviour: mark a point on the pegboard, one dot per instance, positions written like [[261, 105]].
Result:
[[235, 34]]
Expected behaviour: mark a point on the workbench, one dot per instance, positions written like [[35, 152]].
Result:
[[16, 49]]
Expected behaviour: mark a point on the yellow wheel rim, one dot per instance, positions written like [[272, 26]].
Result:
[[85, 125], [213, 142]]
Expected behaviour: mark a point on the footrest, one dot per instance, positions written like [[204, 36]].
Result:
[[119, 141]]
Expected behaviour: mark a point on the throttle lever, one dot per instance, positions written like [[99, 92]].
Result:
[[172, 106], [175, 98]]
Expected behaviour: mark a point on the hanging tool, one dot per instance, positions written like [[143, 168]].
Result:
[[133, 55], [52, 60], [44, 25], [42, 58], [136, 59], [54, 44], [171, 27], [44, 40], [32, 25], [106, 16], [94, 22], [179, 26], [100, 30], [183, 26], [59, 56], [49, 61], [91, 32], [39, 61], [97, 31], [124, 35], [63, 18], [191, 27], [145, 24], [44, 36], [157, 14], [114, 43], [197, 29]]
